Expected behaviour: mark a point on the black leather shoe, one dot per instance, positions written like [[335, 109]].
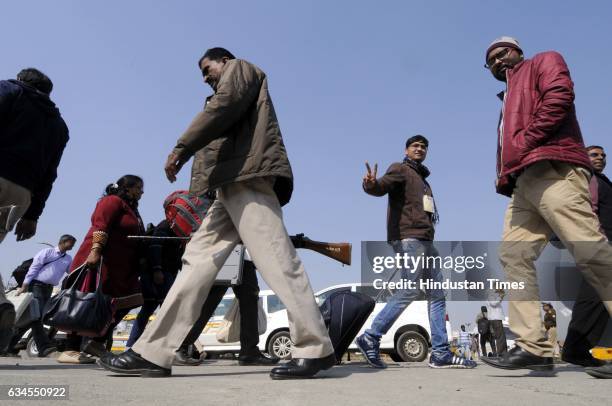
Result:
[[182, 358], [131, 363], [47, 351], [517, 358], [300, 368], [258, 359], [95, 348], [602, 372]]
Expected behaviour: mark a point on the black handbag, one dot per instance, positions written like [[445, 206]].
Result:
[[89, 314]]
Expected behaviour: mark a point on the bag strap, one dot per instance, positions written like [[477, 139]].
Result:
[[81, 270], [53, 260]]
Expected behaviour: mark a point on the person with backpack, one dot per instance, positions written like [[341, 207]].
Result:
[[184, 214], [484, 331], [46, 271], [162, 263]]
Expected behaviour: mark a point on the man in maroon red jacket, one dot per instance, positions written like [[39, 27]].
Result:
[[543, 166]]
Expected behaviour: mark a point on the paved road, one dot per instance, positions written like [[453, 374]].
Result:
[[225, 383]]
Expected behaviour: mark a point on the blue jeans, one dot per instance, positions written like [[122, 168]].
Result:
[[402, 298]]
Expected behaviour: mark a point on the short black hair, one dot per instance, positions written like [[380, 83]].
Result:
[[36, 79], [417, 138], [590, 147], [216, 54], [67, 237]]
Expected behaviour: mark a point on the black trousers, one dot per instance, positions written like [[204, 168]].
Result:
[[499, 336], [483, 341], [247, 294], [7, 320], [41, 293], [589, 320]]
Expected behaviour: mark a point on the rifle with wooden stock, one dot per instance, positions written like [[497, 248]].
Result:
[[340, 251]]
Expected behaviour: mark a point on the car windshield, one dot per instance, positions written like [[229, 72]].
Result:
[[223, 307], [274, 304]]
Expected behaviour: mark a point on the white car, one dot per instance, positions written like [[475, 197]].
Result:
[[408, 339]]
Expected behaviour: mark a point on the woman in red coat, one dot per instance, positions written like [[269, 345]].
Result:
[[114, 218]]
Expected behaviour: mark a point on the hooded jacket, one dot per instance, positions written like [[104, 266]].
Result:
[[539, 119], [33, 137]]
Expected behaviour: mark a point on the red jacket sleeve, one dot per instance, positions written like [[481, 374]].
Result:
[[557, 93], [107, 213]]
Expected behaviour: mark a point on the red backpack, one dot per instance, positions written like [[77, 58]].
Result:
[[185, 212]]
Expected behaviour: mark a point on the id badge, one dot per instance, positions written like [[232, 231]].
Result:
[[428, 204]]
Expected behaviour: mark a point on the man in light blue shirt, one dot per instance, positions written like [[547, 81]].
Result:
[[50, 265], [47, 270]]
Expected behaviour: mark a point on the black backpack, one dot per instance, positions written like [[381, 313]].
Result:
[[483, 325], [20, 272]]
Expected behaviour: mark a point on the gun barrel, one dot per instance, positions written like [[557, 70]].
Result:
[[340, 251]]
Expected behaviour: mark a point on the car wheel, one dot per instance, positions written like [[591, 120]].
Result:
[[411, 347], [280, 345], [31, 348]]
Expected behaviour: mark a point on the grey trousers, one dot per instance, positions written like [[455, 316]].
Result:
[[11, 194], [249, 212]]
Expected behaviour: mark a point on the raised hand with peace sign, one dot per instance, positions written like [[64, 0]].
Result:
[[369, 179]]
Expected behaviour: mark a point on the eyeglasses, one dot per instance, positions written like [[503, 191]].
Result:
[[497, 57]]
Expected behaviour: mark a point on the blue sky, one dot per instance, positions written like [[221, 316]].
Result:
[[351, 81]]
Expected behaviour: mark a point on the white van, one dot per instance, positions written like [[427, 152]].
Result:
[[408, 339]]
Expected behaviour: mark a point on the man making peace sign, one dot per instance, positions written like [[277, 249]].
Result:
[[410, 229]]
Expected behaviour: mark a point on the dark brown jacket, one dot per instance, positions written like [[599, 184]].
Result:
[[406, 217], [237, 136]]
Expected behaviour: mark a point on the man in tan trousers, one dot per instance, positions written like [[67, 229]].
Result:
[[239, 152], [543, 166]]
